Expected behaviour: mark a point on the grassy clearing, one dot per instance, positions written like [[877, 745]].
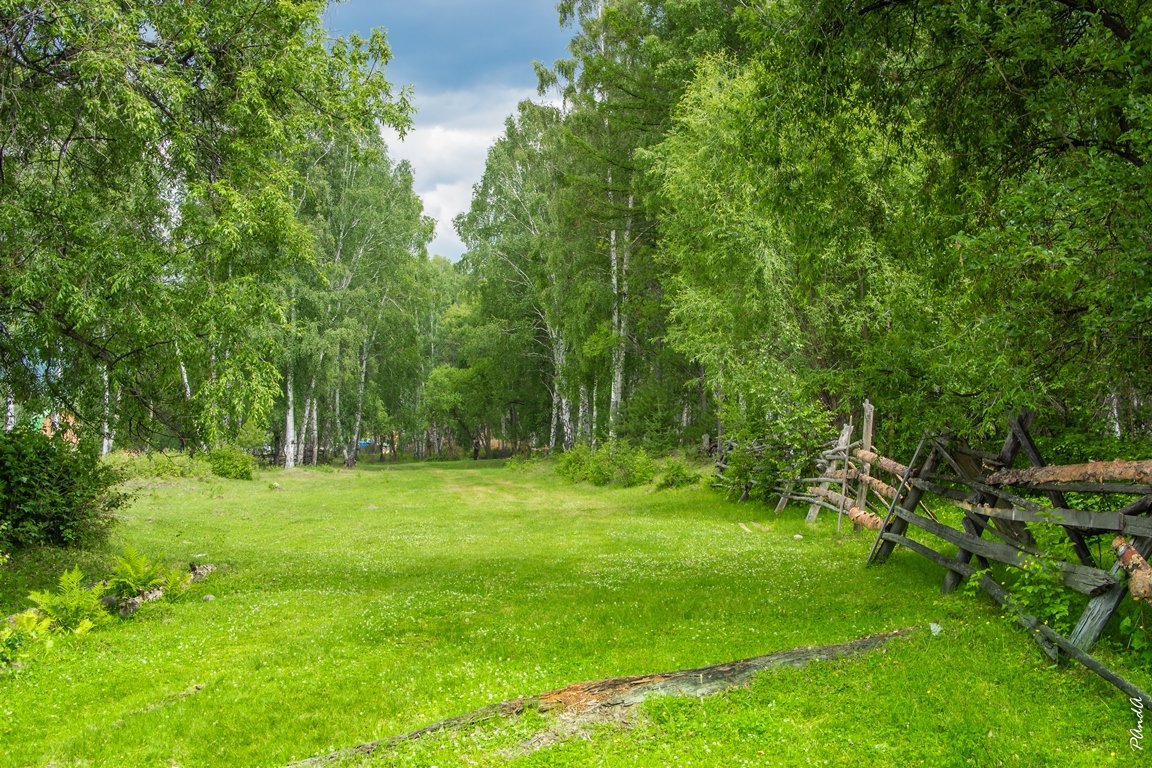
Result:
[[351, 606]]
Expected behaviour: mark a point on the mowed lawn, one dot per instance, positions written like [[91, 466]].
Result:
[[354, 605]]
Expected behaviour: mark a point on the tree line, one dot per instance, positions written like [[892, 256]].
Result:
[[746, 218], [725, 218]]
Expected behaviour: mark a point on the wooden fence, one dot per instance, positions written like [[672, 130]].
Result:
[[1000, 507]]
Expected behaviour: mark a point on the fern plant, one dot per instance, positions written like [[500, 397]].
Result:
[[175, 583], [72, 607], [22, 636], [135, 573]]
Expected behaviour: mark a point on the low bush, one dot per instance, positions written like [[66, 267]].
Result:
[[677, 474], [573, 463], [613, 463], [52, 492], [156, 465], [134, 574], [231, 463]]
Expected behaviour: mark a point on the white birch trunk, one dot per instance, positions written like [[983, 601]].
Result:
[[582, 428], [183, 374], [10, 413], [106, 423], [289, 422], [619, 249], [314, 431], [552, 435], [354, 443]]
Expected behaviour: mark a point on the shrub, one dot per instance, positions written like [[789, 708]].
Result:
[[72, 607], [53, 493], [175, 582], [614, 463], [134, 464], [231, 462], [677, 474], [573, 463]]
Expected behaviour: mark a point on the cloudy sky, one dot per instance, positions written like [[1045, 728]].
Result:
[[470, 62]]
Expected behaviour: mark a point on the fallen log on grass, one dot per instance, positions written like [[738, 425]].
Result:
[[598, 695], [1139, 572]]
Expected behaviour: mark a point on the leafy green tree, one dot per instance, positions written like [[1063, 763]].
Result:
[[146, 176], [354, 310]]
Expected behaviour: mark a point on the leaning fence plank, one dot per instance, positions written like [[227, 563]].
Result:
[[841, 444], [1100, 608]]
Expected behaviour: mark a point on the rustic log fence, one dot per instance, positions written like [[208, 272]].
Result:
[[1000, 507]]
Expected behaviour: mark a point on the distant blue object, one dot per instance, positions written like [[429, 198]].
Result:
[[365, 443]]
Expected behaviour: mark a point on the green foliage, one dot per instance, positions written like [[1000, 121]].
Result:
[[676, 473], [52, 492], [72, 607], [189, 242], [773, 436], [1038, 590], [22, 636], [1135, 631], [175, 582], [156, 465], [232, 463], [135, 573], [613, 463]]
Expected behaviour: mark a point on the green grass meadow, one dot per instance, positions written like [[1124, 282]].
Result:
[[354, 605]]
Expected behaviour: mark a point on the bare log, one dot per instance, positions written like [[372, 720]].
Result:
[[1118, 471], [848, 506], [1139, 572], [882, 488], [582, 698], [889, 466]]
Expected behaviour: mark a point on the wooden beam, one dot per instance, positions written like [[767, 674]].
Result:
[[842, 444], [1081, 578], [1056, 497], [866, 445], [966, 571], [1100, 608], [876, 484], [912, 495], [891, 467], [968, 469], [847, 506], [1095, 521]]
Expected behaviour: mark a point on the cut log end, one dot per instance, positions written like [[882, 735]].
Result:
[[1139, 572]]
